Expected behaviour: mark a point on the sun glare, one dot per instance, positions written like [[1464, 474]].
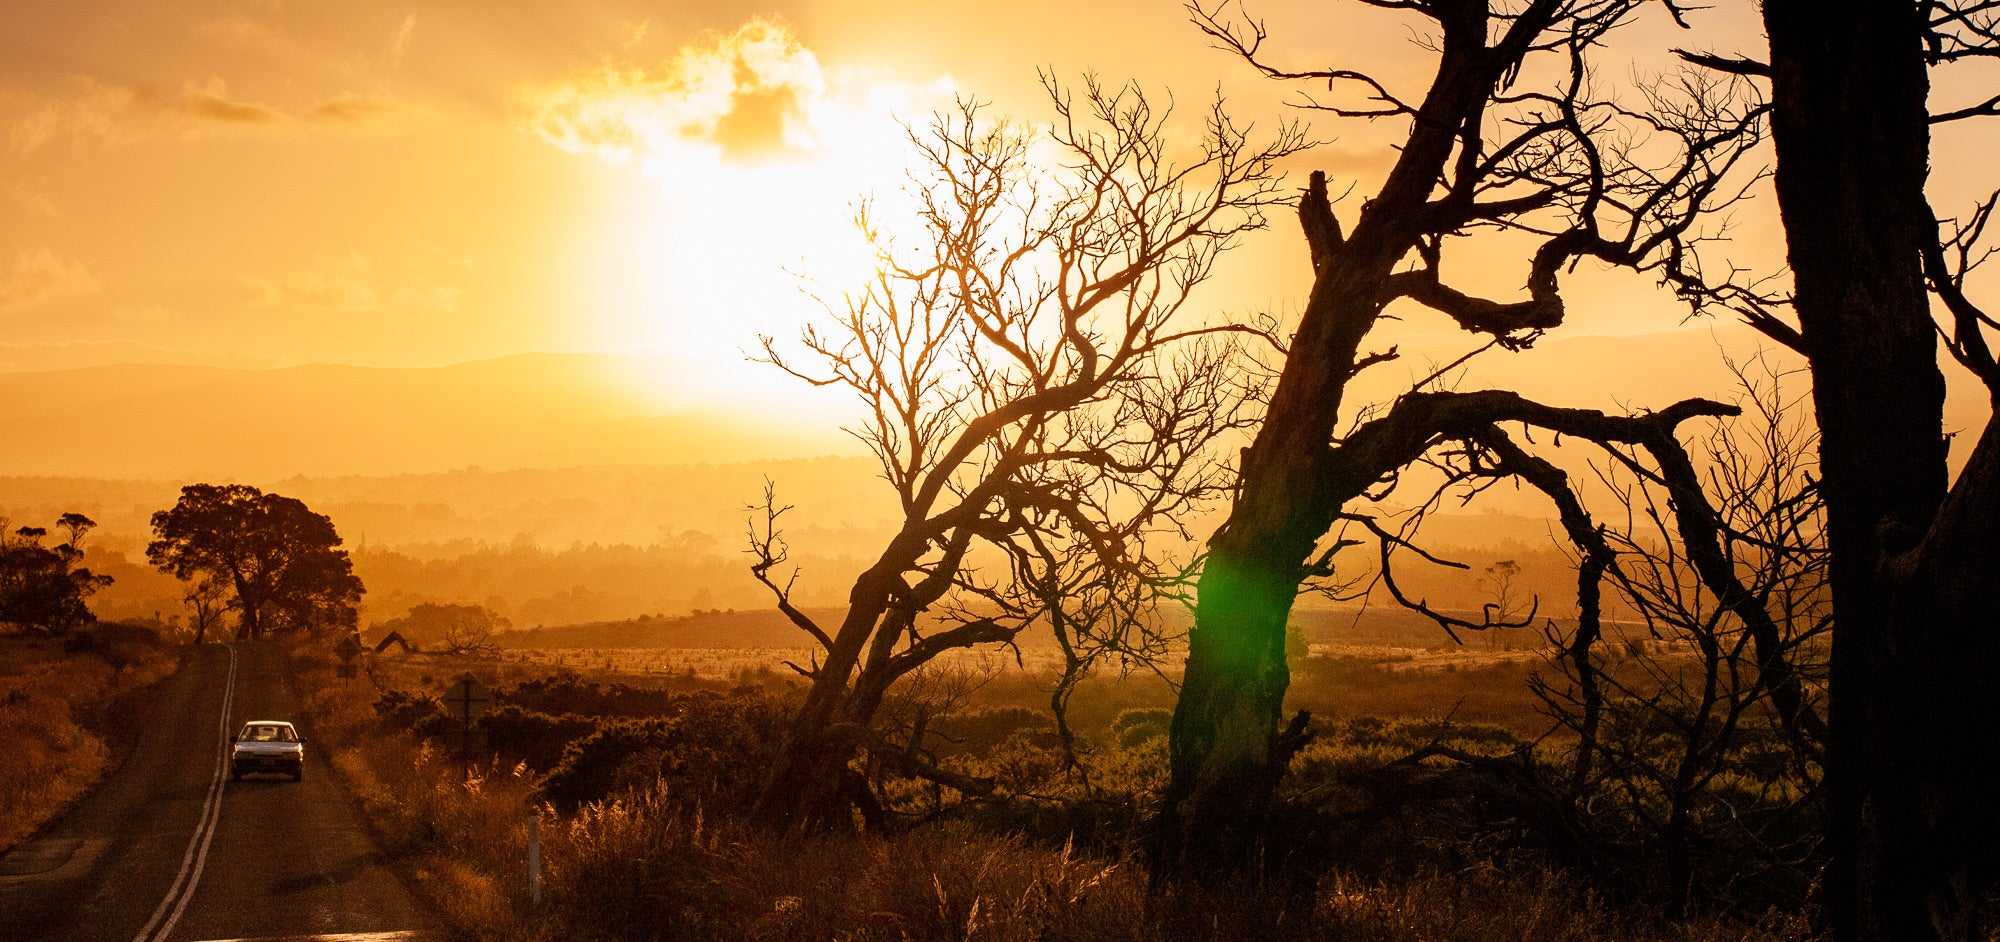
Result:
[[757, 156]]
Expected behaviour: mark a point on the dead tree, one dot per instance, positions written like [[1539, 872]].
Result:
[[1700, 750], [1042, 405], [1510, 135], [1912, 834]]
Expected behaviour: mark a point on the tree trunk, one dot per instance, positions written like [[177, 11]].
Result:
[[1225, 753], [1911, 610], [804, 791], [1932, 799], [1225, 757]]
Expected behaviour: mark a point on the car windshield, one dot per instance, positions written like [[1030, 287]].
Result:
[[267, 734]]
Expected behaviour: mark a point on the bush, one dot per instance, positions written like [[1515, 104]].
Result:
[[537, 739], [713, 749], [403, 711], [977, 732], [614, 757], [566, 692], [1133, 727]]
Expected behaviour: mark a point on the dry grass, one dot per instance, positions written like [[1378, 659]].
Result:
[[647, 865], [460, 839], [48, 697], [643, 868]]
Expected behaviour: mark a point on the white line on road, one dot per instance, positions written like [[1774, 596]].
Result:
[[196, 857]]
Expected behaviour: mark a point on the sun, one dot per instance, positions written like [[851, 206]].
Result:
[[755, 159]]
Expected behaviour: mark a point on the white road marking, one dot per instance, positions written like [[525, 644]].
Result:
[[196, 858]]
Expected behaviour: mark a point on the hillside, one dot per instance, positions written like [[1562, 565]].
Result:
[[528, 411]]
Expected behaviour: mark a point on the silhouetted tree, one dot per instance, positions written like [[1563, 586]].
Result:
[[1510, 135], [283, 562], [205, 600], [1038, 400], [458, 629], [1699, 743], [1914, 833], [43, 588]]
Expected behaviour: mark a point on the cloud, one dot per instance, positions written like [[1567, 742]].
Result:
[[120, 114], [40, 275], [240, 32], [351, 109], [635, 34], [92, 113], [31, 199], [353, 283], [399, 45], [746, 94], [211, 102]]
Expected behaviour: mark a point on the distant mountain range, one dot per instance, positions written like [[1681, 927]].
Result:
[[584, 410], [527, 411]]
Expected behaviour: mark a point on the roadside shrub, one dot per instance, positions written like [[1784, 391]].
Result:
[[567, 692], [611, 758], [64, 707], [538, 739], [401, 710], [713, 750]]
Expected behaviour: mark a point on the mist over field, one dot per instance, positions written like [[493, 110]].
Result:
[[554, 490]]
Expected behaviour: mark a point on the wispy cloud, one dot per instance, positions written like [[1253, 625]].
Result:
[[354, 283], [116, 114], [93, 112], [241, 32], [211, 102], [32, 199], [399, 45], [41, 275], [351, 109]]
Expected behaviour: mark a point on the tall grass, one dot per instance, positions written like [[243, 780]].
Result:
[[643, 867], [458, 834], [55, 716], [655, 862]]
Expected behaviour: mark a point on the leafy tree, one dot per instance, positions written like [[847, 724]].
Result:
[[282, 561], [43, 587]]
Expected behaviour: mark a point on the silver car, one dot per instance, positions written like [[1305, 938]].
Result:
[[267, 746]]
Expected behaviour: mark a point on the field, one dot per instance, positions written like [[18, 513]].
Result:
[[1372, 662]]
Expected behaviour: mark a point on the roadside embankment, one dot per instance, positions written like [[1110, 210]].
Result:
[[69, 707]]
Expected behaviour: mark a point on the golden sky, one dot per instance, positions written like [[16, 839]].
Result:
[[272, 182]]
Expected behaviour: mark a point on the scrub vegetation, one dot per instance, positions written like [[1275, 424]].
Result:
[[643, 786]]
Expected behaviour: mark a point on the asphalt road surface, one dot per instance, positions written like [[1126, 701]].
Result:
[[168, 849]]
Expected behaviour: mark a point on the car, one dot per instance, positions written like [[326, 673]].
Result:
[[267, 746]]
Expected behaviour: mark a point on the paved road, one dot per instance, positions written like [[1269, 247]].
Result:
[[167, 849]]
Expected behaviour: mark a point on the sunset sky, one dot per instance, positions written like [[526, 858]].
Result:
[[277, 182]]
